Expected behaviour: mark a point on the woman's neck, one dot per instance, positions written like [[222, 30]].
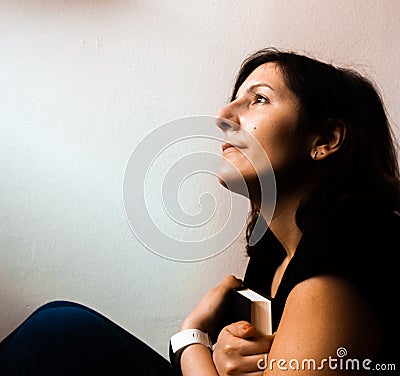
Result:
[[283, 224]]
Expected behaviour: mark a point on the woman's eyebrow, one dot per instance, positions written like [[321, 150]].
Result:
[[260, 84], [255, 86]]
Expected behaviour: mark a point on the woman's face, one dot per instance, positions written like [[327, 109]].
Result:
[[261, 121]]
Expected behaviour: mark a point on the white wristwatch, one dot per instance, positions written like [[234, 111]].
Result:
[[183, 339]]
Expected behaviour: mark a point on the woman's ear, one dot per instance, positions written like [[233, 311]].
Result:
[[329, 140]]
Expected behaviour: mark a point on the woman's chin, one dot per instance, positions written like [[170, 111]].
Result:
[[233, 180]]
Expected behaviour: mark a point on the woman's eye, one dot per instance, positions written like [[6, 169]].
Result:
[[261, 99]]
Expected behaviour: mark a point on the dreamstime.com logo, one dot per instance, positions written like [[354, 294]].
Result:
[[174, 201], [338, 363]]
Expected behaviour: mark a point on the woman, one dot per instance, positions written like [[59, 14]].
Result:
[[325, 259]]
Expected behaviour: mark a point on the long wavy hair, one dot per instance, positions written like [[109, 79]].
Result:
[[366, 166]]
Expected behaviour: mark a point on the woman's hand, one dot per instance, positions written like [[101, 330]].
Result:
[[240, 349], [209, 312]]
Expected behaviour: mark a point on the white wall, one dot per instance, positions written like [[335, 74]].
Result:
[[83, 81]]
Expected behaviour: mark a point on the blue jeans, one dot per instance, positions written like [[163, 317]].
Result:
[[66, 338]]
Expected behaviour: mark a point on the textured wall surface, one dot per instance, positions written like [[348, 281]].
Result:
[[83, 81]]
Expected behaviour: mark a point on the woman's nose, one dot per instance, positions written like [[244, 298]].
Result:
[[227, 119]]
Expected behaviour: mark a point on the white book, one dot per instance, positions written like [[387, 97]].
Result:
[[253, 307]]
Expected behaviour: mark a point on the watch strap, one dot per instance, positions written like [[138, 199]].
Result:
[[183, 339], [189, 337]]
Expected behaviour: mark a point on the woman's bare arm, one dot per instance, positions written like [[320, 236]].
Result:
[[197, 359], [324, 316]]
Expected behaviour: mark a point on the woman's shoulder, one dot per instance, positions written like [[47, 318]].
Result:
[[334, 315]]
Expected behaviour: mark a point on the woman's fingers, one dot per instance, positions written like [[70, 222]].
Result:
[[245, 338], [253, 364], [241, 349], [209, 311], [231, 282]]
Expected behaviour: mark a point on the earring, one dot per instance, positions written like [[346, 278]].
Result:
[[315, 154]]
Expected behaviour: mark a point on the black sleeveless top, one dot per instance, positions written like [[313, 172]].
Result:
[[359, 244]]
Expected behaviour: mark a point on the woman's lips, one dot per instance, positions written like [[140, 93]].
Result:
[[231, 147], [226, 145]]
